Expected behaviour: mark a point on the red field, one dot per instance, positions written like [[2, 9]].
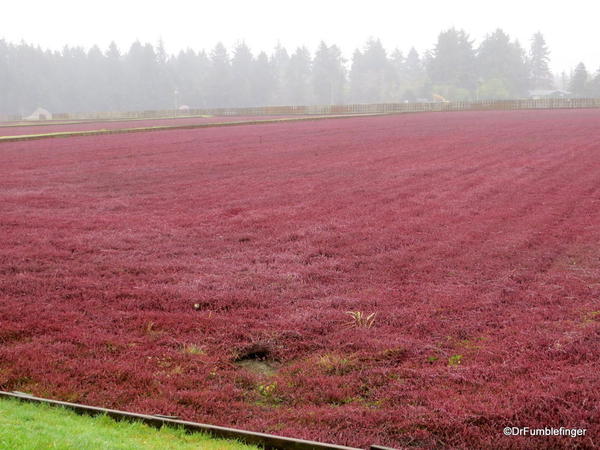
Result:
[[21, 130], [474, 237]]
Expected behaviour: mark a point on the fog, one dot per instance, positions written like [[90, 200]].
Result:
[[70, 56], [570, 28]]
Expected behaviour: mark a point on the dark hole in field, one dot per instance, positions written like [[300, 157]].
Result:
[[257, 358], [255, 352]]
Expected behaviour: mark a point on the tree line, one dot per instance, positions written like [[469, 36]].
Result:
[[146, 77]]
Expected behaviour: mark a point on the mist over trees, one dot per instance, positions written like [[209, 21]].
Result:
[[579, 81], [502, 68], [539, 57], [145, 77]]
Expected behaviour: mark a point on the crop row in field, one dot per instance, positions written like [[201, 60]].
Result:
[[209, 274]]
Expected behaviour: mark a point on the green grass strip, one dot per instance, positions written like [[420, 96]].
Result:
[[22, 124], [37, 124], [30, 426], [65, 134]]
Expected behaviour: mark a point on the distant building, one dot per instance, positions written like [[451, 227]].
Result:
[[539, 94], [40, 114]]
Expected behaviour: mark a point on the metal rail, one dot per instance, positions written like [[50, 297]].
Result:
[[266, 441]]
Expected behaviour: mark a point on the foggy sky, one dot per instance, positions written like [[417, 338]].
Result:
[[570, 27]]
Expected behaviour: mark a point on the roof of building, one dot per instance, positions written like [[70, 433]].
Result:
[[545, 92]]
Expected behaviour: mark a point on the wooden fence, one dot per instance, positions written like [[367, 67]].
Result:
[[381, 108]]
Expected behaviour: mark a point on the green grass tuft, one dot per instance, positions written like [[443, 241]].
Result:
[[29, 426]]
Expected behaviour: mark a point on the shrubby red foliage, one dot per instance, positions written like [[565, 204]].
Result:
[[207, 274], [21, 130]]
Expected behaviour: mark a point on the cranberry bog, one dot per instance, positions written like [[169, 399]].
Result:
[[209, 274]]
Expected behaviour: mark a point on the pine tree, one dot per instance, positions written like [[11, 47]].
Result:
[[412, 77], [539, 58], [414, 69], [96, 80], [219, 84], [503, 61], [329, 75], [579, 81], [453, 61], [6, 82], [189, 72], [397, 67], [371, 76], [241, 86], [263, 80], [297, 77], [115, 91], [594, 85], [279, 62], [357, 77]]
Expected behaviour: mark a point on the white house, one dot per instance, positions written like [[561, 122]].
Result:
[[40, 114]]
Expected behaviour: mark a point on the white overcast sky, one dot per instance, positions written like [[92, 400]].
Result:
[[570, 27]]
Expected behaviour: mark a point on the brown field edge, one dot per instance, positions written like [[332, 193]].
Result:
[[266, 441], [63, 134], [25, 124]]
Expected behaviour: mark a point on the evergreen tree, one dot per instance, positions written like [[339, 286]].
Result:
[[453, 61], [413, 68], [241, 85], [298, 76], [372, 75], [503, 61], [6, 81], [329, 75], [136, 84], [189, 72], [579, 81], [96, 80], [115, 90], [263, 80], [219, 84], [146, 77], [357, 77], [539, 58], [398, 79], [29, 90], [414, 76], [594, 86], [279, 62], [162, 83]]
